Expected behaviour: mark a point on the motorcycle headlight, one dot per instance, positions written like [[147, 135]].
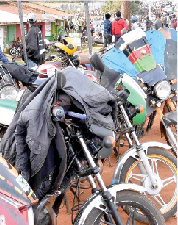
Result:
[[162, 90]]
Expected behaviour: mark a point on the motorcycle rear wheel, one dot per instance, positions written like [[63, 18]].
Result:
[[128, 203], [161, 160]]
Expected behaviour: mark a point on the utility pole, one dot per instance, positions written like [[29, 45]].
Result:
[[87, 16], [22, 31]]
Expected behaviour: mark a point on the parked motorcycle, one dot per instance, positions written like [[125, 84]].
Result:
[[143, 162], [17, 48], [83, 143], [154, 66], [65, 48]]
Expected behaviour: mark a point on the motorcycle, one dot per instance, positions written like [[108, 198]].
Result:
[[66, 48], [17, 49], [143, 162], [83, 143], [152, 65]]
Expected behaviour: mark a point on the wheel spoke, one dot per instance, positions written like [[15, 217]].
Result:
[[160, 200], [139, 177], [154, 166], [168, 181]]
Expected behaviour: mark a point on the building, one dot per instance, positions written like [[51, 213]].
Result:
[[49, 20]]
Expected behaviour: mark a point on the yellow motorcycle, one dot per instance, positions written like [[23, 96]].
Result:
[[65, 48]]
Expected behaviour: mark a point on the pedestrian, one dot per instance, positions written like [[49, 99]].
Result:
[[118, 25], [173, 20], [166, 22], [2, 57], [148, 23], [92, 28], [175, 25], [134, 25], [35, 43], [158, 23], [107, 30]]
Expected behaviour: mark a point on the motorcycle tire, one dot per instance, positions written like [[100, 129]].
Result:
[[47, 216], [161, 160], [126, 201], [13, 51]]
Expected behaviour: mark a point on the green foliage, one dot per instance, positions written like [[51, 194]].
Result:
[[114, 6], [111, 6], [135, 7]]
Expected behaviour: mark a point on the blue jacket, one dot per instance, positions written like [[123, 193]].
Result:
[[2, 57], [107, 26]]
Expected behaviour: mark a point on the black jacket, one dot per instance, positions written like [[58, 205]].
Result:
[[35, 45]]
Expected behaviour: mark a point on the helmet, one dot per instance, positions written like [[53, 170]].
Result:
[[134, 18], [31, 18]]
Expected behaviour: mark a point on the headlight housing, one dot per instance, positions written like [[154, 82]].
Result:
[[162, 89]]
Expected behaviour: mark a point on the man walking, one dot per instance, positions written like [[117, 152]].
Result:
[[107, 30]]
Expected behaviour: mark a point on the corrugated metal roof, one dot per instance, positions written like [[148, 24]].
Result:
[[10, 13]]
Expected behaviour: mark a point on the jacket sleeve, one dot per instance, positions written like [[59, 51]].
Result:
[[22, 163], [125, 25], [113, 28]]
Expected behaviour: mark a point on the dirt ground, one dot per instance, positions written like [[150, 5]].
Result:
[[64, 218]]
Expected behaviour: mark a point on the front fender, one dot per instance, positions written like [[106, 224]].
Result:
[[96, 200], [132, 152]]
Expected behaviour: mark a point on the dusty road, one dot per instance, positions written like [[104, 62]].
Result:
[[154, 135]]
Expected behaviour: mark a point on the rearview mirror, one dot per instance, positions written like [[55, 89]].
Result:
[[97, 62], [61, 80]]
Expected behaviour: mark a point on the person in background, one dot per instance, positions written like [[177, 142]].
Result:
[[117, 26], [166, 22], [173, 20], [148, 23], [158, 23], [134, 23], [2, 57], [107, 30], [175, 25], [35, 43]]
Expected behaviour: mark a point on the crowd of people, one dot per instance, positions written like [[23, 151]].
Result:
[[165, 21], [119, 26]]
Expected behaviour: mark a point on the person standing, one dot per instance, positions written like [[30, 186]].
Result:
[[166, 22], [118, 25], [35, 43], [134, 23], [158, 23], [107, 30], [148, 23]]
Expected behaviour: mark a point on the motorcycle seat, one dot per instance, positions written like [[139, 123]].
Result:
[[170, 118]]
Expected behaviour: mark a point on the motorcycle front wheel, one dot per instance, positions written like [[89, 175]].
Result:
[[127, 202], [164, 166]]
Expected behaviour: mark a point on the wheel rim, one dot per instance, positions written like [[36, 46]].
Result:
[[128, 218], [168, 179]]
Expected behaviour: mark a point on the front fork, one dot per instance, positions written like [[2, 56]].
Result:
[[144, 164], [106, 194]]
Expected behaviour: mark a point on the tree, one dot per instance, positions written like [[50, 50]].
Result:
[[125, 9], [114, 6], [111, 7]]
